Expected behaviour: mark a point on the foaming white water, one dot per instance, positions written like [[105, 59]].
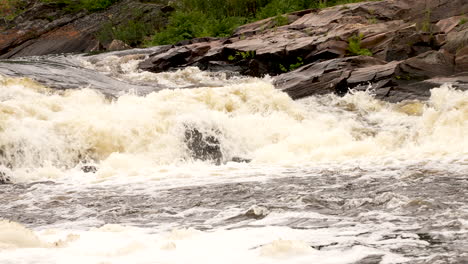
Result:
[[45, 132], [126, 68], [124, 244]]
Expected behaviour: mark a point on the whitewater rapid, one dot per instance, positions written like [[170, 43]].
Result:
[[330, 180]]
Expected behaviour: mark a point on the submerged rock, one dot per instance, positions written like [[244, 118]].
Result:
[[89, 169], [206, 146], [4, 178], [203, 146]]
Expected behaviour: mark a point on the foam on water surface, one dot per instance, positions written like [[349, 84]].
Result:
[[122, 244], [331, 179], [44, 130]]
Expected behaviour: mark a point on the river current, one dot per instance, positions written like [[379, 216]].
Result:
[[94, 157]]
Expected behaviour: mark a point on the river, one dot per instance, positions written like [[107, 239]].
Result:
[[98, 169]]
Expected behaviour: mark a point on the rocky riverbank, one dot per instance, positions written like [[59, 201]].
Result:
[[51, 28], [400, 49]]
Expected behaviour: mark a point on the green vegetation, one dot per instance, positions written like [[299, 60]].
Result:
[[354, 46], [293, 66], [219, 18], [73, 6], [426, 24], [9, 9], [242, 55], [281, 20], [463, 21], [131, 32], [195, 24]]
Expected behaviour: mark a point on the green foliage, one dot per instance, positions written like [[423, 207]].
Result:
[[426, 23], [131, 32], [462, 21], [242, 55], [292, 67], [281, 20], [354, 46], [195, 24], [219, 18], [73, 6], [372, 20], [9, 9], [282, 68]]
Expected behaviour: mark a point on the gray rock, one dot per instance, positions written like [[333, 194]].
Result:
[[117, 45], [4, 178], [203, 146]]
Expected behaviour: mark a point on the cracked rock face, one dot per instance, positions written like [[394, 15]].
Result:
[[410, 49], [45, 29]]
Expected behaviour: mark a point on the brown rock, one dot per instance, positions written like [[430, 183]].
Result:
[[117, 45], [448, 24], [461, 60], [428, 65], [47, 29], [457, 39], [328, 76]]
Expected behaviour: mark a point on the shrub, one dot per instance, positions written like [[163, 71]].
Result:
[[299, 62], [462, 21], [217, 18], [74, 6], [354, 46], [9, 9], [187, 25]]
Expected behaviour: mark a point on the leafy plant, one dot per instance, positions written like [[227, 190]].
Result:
[[215, 18], [462, 21], [354, 46], [292, 67], [281, 20], [242, 55]]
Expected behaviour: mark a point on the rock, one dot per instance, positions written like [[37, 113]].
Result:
[[240, 160], [404, 55], [117, 45], [312, 35], [4, 178], [371, 259], [203, 146], [89, 169], [457, 39], [448, 24], [428, 65], [461, 60], [331, 76], [393, 81], [45, 28], [257, 212]]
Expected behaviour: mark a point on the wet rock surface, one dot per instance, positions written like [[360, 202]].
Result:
[[45, 28], [203, 146], [410, 43]]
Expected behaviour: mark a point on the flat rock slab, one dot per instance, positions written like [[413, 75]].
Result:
[[404, 55]]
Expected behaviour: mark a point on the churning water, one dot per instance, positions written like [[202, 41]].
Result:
[[101, 172]]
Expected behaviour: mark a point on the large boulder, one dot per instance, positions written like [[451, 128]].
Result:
[[46, 28], [203, 146], [392, 81]]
